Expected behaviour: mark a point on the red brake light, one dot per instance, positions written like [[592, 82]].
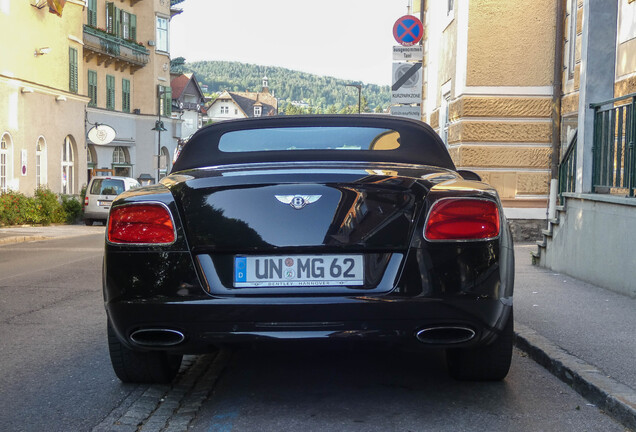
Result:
[[86, 200], [462, 219], [141, 224]]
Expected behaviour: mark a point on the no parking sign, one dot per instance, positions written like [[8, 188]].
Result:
[[408, 30]]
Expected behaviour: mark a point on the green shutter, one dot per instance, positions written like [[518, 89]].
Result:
[[110, 92], [125, 95], [72, 70], [133, 27], [92, 13], [110, 17], [117, 28], [92, 87], [168, 101]]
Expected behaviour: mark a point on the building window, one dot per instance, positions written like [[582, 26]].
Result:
[[72, 70], [235, 111], [68, 178], [120, 23], [257, 111], [165, 100], [572, 38], [92, 88], [445, 120], [225, 109], [164, 162], [92, 13], [5, 163], [40, 163], [110, 92], [125, 24], [450, 7], [121, 162], [125, 95], [162, 34]]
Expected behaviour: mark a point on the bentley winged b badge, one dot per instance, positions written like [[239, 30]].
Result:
[[297, 201]]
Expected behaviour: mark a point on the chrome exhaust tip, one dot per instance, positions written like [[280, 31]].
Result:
[[157, 337], [445, 335]]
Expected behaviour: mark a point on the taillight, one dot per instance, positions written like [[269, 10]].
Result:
[[85, 200], [141, 224], [462, 219]]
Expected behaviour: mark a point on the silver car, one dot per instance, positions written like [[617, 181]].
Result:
[[100, 194]]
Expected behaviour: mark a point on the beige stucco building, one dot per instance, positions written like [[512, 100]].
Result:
[[41, 98], [488, 76]]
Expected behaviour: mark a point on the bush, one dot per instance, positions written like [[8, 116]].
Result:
[[43, 208], [72, 208]]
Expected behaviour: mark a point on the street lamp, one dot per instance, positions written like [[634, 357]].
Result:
[[159, 128], [359, 87]]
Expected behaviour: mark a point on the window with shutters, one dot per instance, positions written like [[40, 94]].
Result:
[[165, 100], [92, 13], [92, 88], [110, 92], [125, 25], [125, 95], [72, 70]]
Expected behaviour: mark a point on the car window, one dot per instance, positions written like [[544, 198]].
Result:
[[107, 187], [309, 138]]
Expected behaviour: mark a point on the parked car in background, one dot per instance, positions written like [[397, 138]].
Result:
[[100, 193], [331, 228]]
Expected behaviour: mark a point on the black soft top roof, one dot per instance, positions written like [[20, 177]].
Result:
[[419, 144]]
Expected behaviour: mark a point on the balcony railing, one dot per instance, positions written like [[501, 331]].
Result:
[[613, 154], [109, 48]]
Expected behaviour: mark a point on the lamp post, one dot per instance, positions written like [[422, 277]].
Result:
[[159, 128], [359, 87]]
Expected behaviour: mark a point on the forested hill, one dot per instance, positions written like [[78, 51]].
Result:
[[323, 94]]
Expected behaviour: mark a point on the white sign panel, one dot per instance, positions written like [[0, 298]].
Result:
[[101, 134], [413, 112], [415, 52], [407, 83]]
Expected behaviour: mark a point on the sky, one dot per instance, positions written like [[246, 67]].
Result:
[[348, 39]]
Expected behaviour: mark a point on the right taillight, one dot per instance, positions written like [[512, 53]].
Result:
[[462, 219], [146, 223]]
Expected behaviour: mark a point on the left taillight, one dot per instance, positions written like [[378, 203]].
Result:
[[462, 219], [141, 224]]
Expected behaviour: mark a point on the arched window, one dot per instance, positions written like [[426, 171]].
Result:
[[5, 162], [121, 162], [68, 166], [164, 164], [40, 162]]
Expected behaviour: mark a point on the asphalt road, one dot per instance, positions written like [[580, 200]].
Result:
[[56, 374]]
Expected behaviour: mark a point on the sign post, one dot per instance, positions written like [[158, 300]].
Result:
[[406, 83]]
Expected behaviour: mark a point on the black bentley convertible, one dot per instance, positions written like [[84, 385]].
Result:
[[310, 228]]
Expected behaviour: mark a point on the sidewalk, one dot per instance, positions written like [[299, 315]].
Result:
[[583, 334], [21, 234]]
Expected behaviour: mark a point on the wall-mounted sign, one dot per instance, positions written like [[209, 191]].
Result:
[[101, 134], [407, 83], [409, 111], [415, 52]]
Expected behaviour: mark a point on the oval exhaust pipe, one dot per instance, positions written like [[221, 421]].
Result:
[[445, 335], [157, 337]]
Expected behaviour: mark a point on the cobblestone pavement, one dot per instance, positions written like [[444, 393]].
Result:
[[168, 408]]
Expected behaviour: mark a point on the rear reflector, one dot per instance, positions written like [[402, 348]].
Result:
[[462, 219], [141, 224]]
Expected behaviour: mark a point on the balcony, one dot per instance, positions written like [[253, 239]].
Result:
[[108, 49]]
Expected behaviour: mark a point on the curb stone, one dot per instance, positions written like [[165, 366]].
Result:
[[614, 398]]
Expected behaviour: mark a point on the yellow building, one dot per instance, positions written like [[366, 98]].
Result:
[[42, 101], [488, 86]]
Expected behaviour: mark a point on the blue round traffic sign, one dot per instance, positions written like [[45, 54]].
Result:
[[408, 30]]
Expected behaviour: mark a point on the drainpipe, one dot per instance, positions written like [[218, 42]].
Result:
[[556, 109]]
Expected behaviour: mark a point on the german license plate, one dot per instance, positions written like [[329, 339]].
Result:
[[104, 203], [298, 270]]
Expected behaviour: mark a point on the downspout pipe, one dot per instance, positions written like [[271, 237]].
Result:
[[557, 81]]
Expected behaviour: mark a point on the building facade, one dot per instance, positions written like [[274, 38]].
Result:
[[42, 102], [235, 105], [488, 92], [127, 77], [187, 102]]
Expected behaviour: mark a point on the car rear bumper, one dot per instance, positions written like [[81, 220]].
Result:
[[208, 323]]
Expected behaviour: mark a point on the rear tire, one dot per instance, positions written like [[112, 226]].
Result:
[[88, 222], [487, 363], [141, 367]]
